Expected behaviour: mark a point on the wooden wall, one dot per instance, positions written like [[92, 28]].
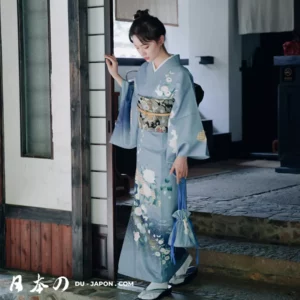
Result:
[[59, 242], [39, 247]]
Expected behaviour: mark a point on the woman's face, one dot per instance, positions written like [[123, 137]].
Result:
[[149, 50]]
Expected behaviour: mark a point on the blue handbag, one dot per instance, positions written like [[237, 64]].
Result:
[[183, 234]]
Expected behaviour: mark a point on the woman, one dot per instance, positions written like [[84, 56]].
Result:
[[165, 126]]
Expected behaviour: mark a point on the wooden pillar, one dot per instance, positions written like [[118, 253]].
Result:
[[80, 139]]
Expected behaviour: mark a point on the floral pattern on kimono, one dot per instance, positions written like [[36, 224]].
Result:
[[147, 233]]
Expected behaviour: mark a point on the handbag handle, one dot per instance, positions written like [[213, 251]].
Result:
[[182, 194]]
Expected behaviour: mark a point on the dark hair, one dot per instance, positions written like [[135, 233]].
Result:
[[146, 27]]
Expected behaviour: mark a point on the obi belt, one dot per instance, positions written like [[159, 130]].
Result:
[[154, 113]]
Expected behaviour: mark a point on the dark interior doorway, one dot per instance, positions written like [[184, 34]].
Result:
[[260, 81]]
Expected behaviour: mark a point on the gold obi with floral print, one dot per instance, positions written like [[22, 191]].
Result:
[[154, 113]]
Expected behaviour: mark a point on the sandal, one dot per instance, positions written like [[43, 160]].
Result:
[[155, 293], [179, 280]]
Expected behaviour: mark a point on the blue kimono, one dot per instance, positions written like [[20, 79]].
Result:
[[159, 116]]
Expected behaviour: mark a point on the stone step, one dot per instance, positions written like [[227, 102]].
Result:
[[247, 228], [255, 204], [276, 264], [250, 212], [262, 227]]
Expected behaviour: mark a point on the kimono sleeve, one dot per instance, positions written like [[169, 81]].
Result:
[[125, 132], [186, 136]]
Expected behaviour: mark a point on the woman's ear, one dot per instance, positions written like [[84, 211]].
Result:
[[161, 40]]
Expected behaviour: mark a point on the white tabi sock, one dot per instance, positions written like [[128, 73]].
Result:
[[155, 285]]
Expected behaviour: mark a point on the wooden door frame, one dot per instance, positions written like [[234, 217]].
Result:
[[82, 238], [80, 139], [111, 188]]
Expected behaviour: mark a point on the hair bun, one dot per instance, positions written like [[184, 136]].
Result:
[[141, 13]]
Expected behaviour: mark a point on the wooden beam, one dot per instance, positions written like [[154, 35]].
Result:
[[38, 214], [80, 141]]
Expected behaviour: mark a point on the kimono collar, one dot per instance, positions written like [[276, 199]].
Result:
[[172, 60]]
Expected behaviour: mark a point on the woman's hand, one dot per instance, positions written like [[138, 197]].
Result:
[[181, 167], [112, 66]]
